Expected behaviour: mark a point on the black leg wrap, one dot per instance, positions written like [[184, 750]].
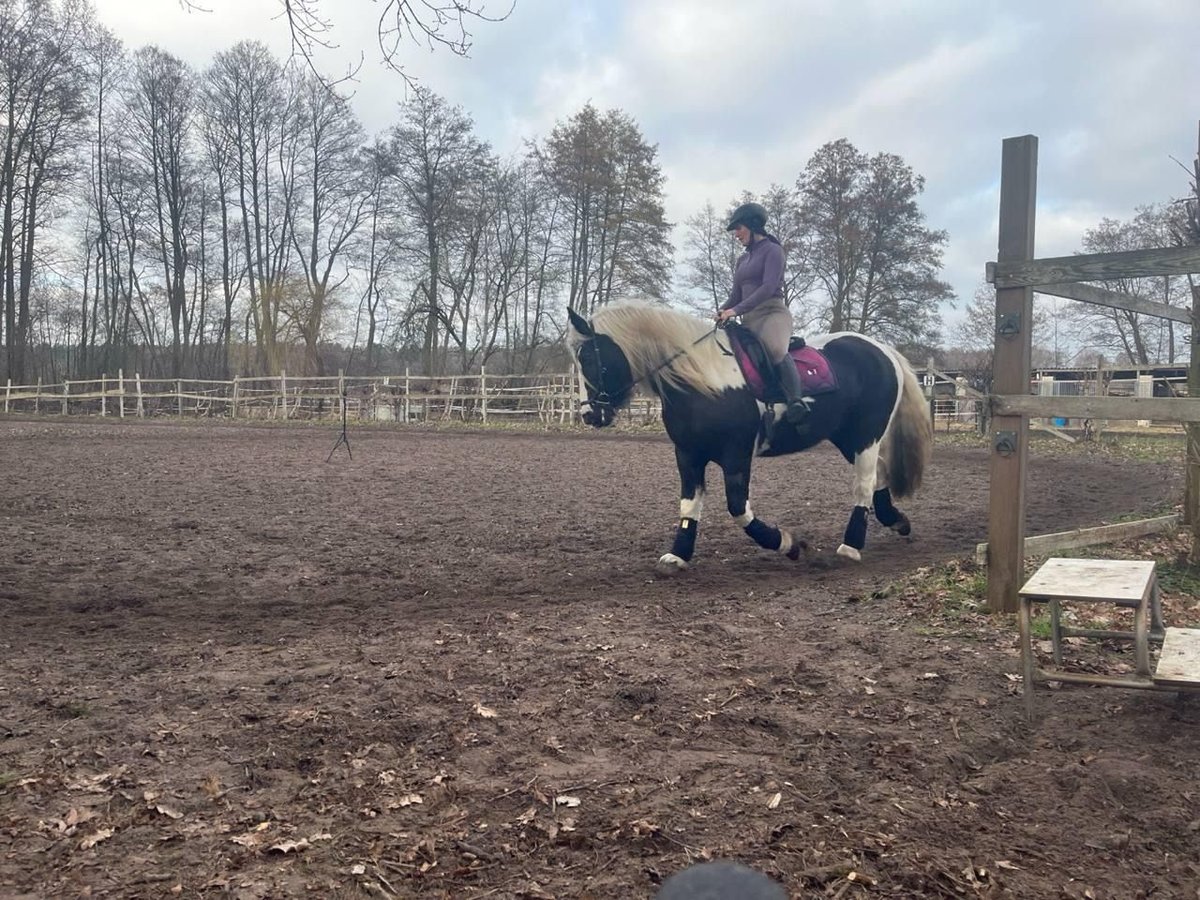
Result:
[[887, 514], [764, 535], [856, 530], [685, 539]]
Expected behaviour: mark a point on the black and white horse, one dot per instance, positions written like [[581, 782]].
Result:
[[877, 416]]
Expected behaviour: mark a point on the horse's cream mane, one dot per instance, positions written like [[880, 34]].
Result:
[[650, 335]]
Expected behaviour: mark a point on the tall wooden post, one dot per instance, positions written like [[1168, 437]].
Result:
[[483, 391], [1010, 375], [1191, 496]]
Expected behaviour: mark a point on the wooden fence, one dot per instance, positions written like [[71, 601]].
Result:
[[549, 398]]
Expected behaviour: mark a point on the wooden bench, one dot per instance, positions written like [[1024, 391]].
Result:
[[1130, 584]]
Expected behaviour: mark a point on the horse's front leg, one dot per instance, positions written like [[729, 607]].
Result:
[[737, 498], [691, 504], [865, 474]]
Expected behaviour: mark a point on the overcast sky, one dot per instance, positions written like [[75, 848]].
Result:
[[738, 95]]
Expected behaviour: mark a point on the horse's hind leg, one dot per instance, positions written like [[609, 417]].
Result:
[[855, 538], [691, 504], [737, 498], [887, 514]]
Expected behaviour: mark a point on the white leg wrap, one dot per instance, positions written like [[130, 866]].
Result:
[[785, 540], [745, 518], [692, 507], [849, 552]]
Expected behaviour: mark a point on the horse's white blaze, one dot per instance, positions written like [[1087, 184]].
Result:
[[669, 562], [849, 552], [691, 507], [745, 518]]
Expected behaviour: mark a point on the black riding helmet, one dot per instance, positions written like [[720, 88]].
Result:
[[752, 215]]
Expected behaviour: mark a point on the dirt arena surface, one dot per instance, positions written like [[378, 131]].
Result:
[[446, 668]]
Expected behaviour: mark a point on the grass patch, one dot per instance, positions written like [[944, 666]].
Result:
[[950, 592]]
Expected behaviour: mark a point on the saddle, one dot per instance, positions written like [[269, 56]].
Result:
[[816, 375]]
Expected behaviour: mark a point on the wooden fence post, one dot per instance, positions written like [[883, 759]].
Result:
[[103, 395], [283, 390], [121, 390], [7, 392], [179, 396], [233, 405], [66, 391], [407, 406], [1014, 327], [483, 392], [141, 408]]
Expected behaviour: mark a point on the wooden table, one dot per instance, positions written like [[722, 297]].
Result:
[[1130, 584]]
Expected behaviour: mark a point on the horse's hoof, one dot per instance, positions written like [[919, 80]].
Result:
[[903, 527], [795, 547], [670, 564], [849, 552]]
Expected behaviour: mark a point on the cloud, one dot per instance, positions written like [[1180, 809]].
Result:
[[739, 95]]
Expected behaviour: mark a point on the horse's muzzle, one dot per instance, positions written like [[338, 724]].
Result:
[[598, 416]]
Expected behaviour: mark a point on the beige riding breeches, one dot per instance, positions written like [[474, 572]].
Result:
[[771, 322]]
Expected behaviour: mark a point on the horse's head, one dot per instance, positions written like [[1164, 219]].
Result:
[[607, 376]]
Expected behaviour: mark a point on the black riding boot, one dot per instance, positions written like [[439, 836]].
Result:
[[793, 390]]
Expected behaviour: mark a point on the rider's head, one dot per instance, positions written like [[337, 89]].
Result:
[[752, 215]]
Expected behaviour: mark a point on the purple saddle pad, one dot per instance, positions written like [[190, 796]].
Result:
[[816, 374]]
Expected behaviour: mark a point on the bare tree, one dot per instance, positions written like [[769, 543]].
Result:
[[161, 105], [246, 86], [1128, 335], [331, 200], [41, 111], [105, 67], [428, 23], [611, 188], [873, 261], [434, 160]]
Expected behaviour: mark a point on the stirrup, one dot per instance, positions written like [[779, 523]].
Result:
[[798, 411]]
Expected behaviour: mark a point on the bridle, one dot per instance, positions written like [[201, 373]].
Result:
[[603, 397]]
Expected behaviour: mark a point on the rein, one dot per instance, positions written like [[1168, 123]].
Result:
[[602, 394]]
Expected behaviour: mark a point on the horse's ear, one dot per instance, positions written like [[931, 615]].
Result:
[[580, 324]]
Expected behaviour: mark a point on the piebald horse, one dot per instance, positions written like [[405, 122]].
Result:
[[876, 416]]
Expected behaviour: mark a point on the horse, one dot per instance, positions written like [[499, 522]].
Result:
[[877, 416]]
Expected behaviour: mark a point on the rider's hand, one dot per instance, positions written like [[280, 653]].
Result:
[[724, 315]]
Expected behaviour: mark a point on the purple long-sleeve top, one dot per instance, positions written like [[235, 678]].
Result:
[[758, 276]]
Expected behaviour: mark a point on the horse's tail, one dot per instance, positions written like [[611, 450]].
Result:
[[909, 438]]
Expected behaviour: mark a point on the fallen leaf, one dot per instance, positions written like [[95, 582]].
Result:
[[775, 800], [102, 834], [168, 811], [485, 712], [565, 800], [289, 846]]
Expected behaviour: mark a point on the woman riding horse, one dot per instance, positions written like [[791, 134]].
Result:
[[877, 417]]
